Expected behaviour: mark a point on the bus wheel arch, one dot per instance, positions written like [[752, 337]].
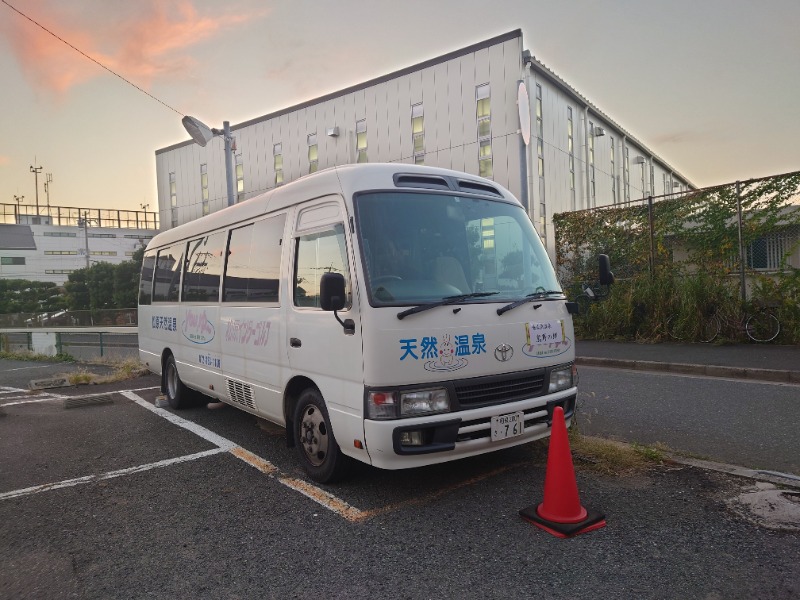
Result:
[[294, 388], [316, 444], [178, 395]]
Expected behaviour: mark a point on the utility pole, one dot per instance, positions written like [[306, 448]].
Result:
[[84, 222], [36, 171]]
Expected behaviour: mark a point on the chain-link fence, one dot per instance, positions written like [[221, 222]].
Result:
[[715, 253]]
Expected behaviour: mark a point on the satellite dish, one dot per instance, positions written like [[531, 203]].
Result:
[[199, 131]]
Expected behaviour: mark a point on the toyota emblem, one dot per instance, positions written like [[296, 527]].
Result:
[[503, 352]]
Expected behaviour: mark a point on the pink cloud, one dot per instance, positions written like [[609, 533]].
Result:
[[143, 47], [4, 160]]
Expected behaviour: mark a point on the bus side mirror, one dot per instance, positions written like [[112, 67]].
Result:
[[606, 276], [331, 291]]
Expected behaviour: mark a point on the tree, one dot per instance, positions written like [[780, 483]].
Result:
[[126, 284], [100, 283], [77, 290]]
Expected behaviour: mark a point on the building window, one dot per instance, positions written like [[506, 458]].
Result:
[[173, 190], [627, 174], [770, 251], [652, 178], [174, 217], [483, 114], [60, 234], [58, 271], [418, 133], [204, 187], [103, 252], [571, 153], [99, 235], [592, 187], [239, 178], [12, 260], [361, 141], [313, 153], [613, 172], [485, 159], [484, 111], [277, 161]]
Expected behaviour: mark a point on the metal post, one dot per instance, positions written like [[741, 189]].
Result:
[[101, 344], [651, 220], [742, 257], [226, 129], [85, 222], [36, 171]]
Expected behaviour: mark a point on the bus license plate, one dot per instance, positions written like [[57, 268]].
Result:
[[507, 426]]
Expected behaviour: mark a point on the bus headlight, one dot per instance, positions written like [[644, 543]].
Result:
[[563, 378], [424, 402], [412, 403]]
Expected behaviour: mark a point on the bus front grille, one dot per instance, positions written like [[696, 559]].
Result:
[[500, 389]]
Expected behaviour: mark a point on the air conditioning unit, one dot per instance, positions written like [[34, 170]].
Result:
[[639, 160], [599, 131]]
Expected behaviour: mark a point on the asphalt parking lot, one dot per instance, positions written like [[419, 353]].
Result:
[[120, 499]]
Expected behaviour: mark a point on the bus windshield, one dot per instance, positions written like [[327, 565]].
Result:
[[425, 247]]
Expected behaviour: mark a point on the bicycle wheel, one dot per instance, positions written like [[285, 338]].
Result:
[[709, 329], [762, 327], [674, 328]]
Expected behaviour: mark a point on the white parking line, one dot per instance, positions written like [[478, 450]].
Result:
[[318, 495], [309, 490], [110, 475]]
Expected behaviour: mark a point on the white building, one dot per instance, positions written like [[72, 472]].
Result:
[[457, 111], [51, 245]]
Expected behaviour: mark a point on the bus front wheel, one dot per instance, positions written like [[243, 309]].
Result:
[[314, 439], [178, 395]]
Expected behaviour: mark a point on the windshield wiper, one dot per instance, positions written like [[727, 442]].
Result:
[[443, 302], [529, 298]]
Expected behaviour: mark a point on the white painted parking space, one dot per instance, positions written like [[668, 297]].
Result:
[[318, 495]]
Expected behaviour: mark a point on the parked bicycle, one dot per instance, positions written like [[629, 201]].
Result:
[[761, 325]]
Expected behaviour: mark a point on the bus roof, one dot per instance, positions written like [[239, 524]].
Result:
[[344, 180]]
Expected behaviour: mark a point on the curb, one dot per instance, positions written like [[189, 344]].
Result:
[[754, 374]]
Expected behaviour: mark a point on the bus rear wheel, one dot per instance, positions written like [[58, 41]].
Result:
[[178, 395], [314, 439]]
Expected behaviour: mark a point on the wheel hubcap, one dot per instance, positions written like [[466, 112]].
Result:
[[314, 435]]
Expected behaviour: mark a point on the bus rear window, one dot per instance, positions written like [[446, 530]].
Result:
[[146, 278]]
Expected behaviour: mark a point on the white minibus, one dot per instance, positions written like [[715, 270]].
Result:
[[394, 314]]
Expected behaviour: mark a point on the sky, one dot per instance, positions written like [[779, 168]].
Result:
[[711, 86]]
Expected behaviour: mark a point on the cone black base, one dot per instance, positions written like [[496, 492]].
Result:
[[594, 520]]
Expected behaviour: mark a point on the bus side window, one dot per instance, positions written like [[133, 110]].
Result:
[[252, 273], [203, 269], [146, 278], [168, 274]]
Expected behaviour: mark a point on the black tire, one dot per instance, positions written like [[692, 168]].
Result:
[[178, 395], [709, 329], [762, 327], [319, 452]]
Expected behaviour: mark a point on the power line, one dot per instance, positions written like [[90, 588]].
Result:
[[82, 53]]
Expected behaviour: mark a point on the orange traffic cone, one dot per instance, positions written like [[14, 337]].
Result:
[[561, 512]]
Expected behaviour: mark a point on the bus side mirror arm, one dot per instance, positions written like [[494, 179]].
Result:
[[332, 297]]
